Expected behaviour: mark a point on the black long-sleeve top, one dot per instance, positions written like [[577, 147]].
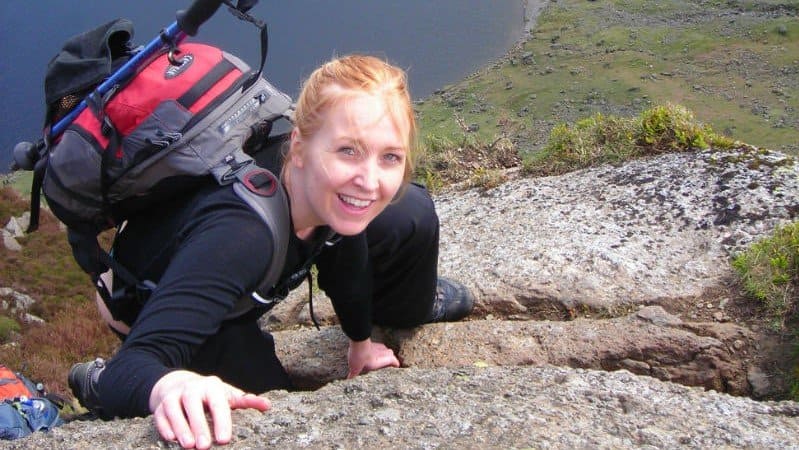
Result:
[[205, 251]]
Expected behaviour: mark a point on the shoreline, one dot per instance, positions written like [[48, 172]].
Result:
[[532, 9]]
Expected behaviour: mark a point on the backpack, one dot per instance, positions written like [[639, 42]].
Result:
[[14, 385], [183, 117], [24, 406]]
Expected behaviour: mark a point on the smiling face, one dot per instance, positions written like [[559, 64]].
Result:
[[347, 171]]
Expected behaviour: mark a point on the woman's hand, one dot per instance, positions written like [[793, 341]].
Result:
[[180, 399], [366, 355]]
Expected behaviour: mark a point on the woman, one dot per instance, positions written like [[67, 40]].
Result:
[[348, 167]]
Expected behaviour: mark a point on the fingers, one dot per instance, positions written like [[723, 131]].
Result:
[[181, 413], [385, 359], [355, 370], [163, 426], [367, 355], [172, 420], [219, 407], [249, 401]]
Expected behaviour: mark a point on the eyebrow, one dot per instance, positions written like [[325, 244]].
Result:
[[357, 142]]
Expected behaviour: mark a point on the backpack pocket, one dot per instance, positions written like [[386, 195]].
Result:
[[71, 186], [157, 132]]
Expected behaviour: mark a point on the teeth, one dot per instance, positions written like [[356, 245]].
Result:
[[358, 203]]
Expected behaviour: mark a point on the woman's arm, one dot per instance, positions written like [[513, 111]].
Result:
[[221, 254], [345, 276]]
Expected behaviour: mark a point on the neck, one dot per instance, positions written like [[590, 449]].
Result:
[[303, 226]]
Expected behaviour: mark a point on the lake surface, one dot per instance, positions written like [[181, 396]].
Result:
[[438, 42]]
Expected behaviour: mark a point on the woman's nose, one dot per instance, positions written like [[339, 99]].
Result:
[[368, 176]]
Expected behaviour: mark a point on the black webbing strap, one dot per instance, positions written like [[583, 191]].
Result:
[[264, 50], [97, 106], [202, 86], [143, 288], [240, 12], [36, 193], [310, 299]]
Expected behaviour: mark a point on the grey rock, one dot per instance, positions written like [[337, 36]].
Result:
[[622, 242], [10, 243], [607, 240], [699, 355], [19, 303], [492, 407], [16, 226], [610, 237], [759, 381]]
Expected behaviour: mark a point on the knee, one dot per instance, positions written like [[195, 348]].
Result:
[[413, 215]]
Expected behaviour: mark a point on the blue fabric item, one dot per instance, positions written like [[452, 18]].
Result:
[[22, 417], [12, 424]]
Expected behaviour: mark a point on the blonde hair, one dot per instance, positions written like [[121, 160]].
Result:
[[354, 75]]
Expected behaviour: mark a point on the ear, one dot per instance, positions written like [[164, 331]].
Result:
[[295, 149]]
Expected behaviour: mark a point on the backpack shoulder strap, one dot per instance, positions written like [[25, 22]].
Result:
[[262, 191]]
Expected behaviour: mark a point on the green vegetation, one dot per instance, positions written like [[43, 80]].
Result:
[[19, 181], [446, 161], [769, 270], [45, 270], [738, 72], [8, 327], [608, 139]]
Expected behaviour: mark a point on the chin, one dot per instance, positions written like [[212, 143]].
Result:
[[349, 229]]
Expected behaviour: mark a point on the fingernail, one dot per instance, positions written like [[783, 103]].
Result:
[[184, 440], [203, 442]]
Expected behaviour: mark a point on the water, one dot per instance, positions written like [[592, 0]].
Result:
[[438, 42]]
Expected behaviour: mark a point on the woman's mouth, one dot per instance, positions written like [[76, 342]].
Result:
[[355, 202]]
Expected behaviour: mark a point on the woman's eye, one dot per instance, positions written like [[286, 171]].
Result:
[[394, 158], [348, 151]]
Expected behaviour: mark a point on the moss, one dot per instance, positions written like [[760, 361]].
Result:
[[769, 272], [794, 393], [8, 328]]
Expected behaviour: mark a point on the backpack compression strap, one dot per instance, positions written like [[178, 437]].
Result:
[[95, 261]]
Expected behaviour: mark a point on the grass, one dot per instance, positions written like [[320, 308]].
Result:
[[8, 328], [603, 139], [769, 270], [45, 270], [738, 72], [19, 181]]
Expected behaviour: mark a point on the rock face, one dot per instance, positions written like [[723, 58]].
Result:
[[639, 253], [493, 407], [650, 342], [606, 238], [601, 296]]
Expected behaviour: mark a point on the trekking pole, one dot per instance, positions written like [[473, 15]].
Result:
[[187, 24], [28, 154]]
